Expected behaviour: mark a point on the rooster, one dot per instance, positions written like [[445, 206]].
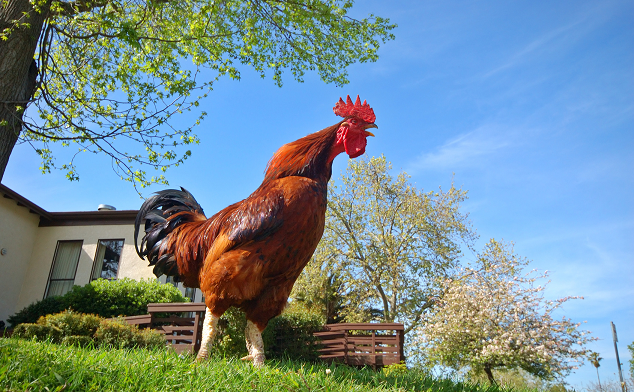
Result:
[[249, 254]]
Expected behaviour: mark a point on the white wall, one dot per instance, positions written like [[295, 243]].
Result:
[[130, 264], [18, 230]]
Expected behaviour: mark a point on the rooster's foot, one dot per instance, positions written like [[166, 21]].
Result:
[[258, 361]]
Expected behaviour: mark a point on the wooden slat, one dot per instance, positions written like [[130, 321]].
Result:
[[142, 317], [197, 332], [174, 319], [334, 341], [367, 349], [187, 338], [366, 326], [145, 319], [329, 334], [369, 340], [171, 328], [329, 356], [176, 307], [339, 347], [330, 350]]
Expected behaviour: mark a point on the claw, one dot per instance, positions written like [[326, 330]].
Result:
[[258, 361]]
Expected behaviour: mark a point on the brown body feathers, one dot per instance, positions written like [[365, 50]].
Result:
[[250, 254]]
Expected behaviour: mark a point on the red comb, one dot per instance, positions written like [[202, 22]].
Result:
[[349, 109]]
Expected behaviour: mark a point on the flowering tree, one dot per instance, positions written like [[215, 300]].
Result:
[[386, 245], [495, 316]]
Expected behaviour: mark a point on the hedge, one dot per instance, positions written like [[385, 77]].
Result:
[[106, 298], [74, 328]]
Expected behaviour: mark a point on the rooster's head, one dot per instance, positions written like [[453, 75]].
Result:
[[352, 132]]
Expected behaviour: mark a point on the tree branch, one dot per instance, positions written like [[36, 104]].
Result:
[[73, 8]]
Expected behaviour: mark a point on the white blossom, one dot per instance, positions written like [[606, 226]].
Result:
[[496, 316]]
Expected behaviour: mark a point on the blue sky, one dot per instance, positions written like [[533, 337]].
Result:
[[529, 105]]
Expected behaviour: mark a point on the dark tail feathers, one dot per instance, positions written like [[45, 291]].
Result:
[[158, 212]]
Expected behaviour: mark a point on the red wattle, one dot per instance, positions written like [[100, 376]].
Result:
[[353, 142]]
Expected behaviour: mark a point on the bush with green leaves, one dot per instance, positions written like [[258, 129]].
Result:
[[38, 332], [74, 340], [230, 340], [124, 297], [118, 334], [74, 328], [288, 336], [71, 323], [34, 311], [106, 298]]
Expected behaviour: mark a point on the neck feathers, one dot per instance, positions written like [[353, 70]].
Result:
[[306, 157]]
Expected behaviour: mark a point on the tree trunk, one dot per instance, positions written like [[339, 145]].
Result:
[[18, 70], [489, 372]]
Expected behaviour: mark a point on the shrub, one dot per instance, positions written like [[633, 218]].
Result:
[[37, 331], [74, 328], [290, 335], [230, 340], [72, 323], [106, 298], [124, 297], [118, 334], [151, 338], [33, 312]]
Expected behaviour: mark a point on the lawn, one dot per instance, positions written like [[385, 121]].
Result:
[[44, 366]]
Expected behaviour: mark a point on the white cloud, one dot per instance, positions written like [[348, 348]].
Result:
[[470, 149], [532, 47], [596, 270], [561, 38]]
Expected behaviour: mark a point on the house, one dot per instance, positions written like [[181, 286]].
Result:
[[45, 253]]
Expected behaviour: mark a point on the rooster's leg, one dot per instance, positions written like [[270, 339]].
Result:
[[209, 331], [249, 345], [255, 345]]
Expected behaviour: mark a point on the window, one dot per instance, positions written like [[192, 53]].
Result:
[[190, 293], [62, 276], [171, 280], [107, 259]]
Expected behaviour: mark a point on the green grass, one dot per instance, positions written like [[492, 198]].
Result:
[[43, 366]]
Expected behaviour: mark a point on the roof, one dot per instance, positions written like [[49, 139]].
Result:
[[72, 218]]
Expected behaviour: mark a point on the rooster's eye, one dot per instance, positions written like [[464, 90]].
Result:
[[353, 121]]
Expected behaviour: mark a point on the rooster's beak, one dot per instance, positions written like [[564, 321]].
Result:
[[370, 126]]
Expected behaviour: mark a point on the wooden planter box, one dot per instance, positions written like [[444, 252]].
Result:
[[363, 344]]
